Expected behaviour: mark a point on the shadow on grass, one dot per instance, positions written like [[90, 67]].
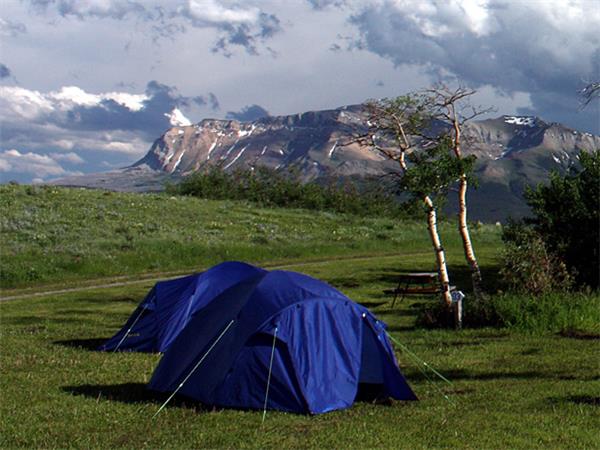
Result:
[[372, 304], [35, 320], [394, 328], [132, 393], [460, 276], [90, 344], [344, 282], [459, 374], [105, 299], [582, 335], [136, 393], [85, 312], [23, 320], [577, 399], [390, 313]]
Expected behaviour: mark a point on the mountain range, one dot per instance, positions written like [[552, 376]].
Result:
[[512, 152]]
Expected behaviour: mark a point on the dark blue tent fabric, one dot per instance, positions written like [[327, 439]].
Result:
[[325, 348], [168, 307]]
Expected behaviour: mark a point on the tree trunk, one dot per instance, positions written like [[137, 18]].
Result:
[[439, 251], [463, 229]]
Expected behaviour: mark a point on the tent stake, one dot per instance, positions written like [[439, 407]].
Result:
[[194, 369], [269, 377]]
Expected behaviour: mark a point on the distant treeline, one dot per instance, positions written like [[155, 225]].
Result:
[[275, 188]]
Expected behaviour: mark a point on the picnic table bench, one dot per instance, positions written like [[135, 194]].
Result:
[[416, 283]]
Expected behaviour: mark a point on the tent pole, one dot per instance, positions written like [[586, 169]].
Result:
[[194, 369], [129, 330], [269, 377]]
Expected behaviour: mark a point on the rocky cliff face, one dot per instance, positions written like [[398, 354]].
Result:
[[512, 152], [317, 144], [313, 142]]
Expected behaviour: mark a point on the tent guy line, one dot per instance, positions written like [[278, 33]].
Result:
[[194, 369], [264, 416]]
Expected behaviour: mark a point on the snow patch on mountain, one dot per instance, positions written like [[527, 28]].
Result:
[[177, 119], [520, 120]]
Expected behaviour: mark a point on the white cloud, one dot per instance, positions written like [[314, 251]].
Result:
[[211, 11], [69, 96], [114, 9], [243, 24], [71, 157], [30, 104], [30, 163], [543, 48], [22, 103], [244, 27], [9, 28], [134, 147]]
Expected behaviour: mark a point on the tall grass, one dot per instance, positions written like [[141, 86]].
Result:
[[51, 234], [551, 312]]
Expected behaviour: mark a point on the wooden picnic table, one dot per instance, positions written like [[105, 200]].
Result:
[[416, 283]]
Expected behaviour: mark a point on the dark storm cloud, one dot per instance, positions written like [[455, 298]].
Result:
[[512, 47], [322, 4], [4, 71], [248, 113], [237, 25], [72, 123], [150, 120], [213, 101], [247, 35]]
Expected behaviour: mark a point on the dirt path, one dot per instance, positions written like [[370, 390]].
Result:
[[148, 277]]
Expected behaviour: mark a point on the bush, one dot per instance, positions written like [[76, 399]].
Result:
[[567, 218], [527, 265], [271, 188]]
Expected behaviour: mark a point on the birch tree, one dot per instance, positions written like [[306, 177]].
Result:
[[392, 125], [452, 108]]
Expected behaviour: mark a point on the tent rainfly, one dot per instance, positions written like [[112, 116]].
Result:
[[243, 337], [169, 306]]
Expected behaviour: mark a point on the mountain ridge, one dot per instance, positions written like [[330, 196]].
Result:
[[512, 151]]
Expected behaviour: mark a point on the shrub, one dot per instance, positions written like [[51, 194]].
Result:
[[567, 217], [272, 188], [527, 265]]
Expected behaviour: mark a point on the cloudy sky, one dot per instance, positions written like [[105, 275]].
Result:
[[87, 85]]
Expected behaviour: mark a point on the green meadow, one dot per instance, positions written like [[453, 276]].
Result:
[[54, 235], [515, 386]]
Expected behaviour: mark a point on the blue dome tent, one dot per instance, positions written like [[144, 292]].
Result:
[[284, 341], [168, 307]]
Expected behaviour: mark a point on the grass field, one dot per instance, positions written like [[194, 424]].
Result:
[[57, 235], [509, 389]]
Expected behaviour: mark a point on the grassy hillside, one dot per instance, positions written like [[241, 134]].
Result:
[[53, 235], [509, 389]]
